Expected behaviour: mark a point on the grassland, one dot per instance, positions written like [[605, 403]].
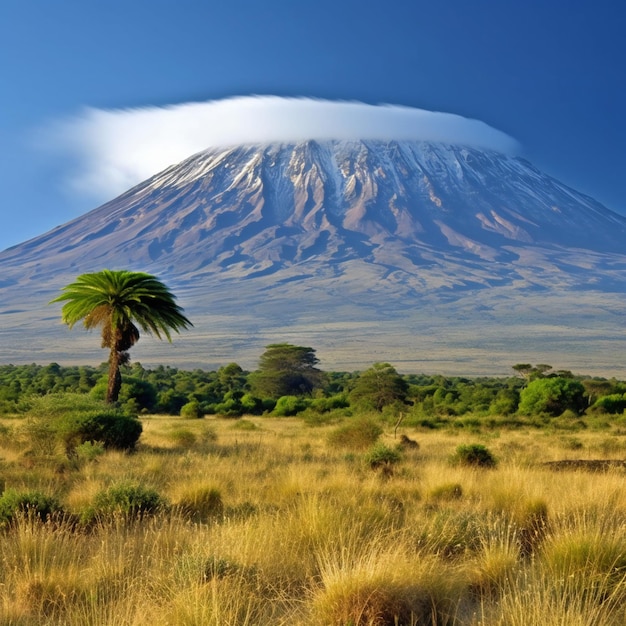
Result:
[[270, 521]]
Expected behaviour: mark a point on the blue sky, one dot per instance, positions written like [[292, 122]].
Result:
[[551, 74]]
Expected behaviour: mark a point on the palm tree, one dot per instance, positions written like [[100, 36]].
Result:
[[118, 302]]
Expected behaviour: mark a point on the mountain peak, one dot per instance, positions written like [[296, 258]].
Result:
[[381, 226]]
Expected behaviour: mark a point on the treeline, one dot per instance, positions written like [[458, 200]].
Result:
[[288, 382]]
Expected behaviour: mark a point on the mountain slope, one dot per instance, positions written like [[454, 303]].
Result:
[[362, 231]]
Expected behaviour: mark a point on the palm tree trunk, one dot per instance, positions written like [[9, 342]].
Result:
[[115, 378]]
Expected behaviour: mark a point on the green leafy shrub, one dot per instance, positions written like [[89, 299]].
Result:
[[251, 404], [32, 503], [473, 455], [324, 405], [73, 419], [40, 436], [191, 410], [356, 434], [229, 408], [59, 404], [182, 437], [89, 451], [382, 455], [289, 405], [552, 396], [613, 403], [126, 500], [113, 428]]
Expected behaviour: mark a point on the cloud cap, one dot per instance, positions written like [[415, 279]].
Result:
[[114, 150]]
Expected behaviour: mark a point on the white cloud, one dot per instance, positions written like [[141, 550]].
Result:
[[112, 150]]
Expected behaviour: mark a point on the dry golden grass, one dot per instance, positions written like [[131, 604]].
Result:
[[271, 525]]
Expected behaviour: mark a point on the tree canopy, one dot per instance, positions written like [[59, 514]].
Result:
[[552, 396], [285, 370], [379, 386], [121, 302]]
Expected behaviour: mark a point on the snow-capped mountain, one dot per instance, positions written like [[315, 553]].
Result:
[[351, 230]]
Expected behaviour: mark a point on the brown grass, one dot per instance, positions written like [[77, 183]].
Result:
[[273, 525]]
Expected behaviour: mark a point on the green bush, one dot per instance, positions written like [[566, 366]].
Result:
[[382, 455], [613, 403], [473, 455], [58, 404], [183, 437], [74, 419], [356, 434], [111, 427], [40, 437], [552, 396], [191, 410], [89, 451], [324, 405], [289, 405], [251, 404], [32, 503], [229, 408], [126, 500]]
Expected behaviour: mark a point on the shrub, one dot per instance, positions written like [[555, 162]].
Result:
[[89, 451], [552, 396], [126, 500], [613, 403], [75, 418], [357, 434], [111, 427], [183, 437], [382, 456], [324, 405], [473, 455], [191, 410], [40, 436], [289, 405], [33, 503], [251, 404], [229, 408], [59, 404]]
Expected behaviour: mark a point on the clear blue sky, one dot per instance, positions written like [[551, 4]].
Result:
[[551, 73]]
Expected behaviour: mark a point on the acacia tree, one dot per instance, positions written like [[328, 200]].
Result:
[[379, 386], [121, 302], [286, 370]]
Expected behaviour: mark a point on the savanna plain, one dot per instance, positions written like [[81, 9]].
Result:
[[360, 520]]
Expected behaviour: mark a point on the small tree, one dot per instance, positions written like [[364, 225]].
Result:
[[379, 386], [286, 370], [530, 372]]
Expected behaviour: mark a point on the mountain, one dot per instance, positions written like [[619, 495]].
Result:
[[432, 256]]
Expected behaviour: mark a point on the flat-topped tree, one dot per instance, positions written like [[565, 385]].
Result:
[[285, 369], [121, 302]]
